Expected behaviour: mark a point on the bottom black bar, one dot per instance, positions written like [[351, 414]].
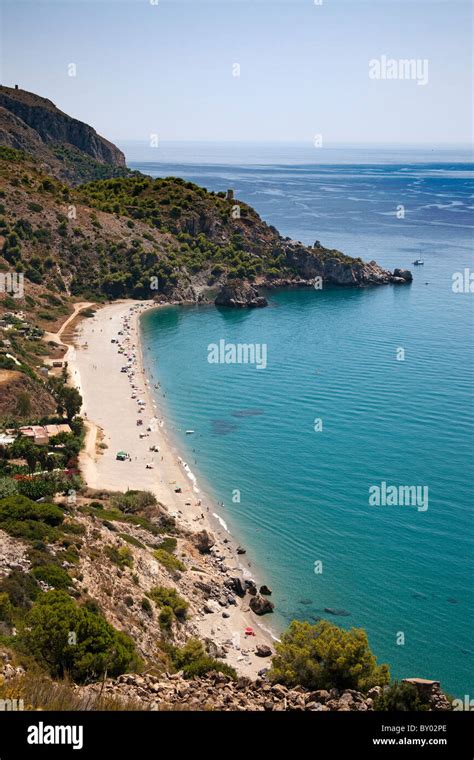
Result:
[[90, 734]]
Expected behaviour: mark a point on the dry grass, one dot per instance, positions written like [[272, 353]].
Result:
[[41, 693]]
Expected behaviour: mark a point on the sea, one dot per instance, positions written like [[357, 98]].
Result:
[[363, 392]]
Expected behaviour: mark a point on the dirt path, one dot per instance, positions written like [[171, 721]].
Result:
[[57, 337]]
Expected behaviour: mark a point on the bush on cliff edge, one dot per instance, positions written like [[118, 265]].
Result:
[[324, 656]]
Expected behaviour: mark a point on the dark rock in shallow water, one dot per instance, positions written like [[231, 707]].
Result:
[[241, 550], [260, 605], [335, 611], [451, 600], [240, 295], [305, 601], [251, 587], [236, 585], [402, 275], [265, 590]]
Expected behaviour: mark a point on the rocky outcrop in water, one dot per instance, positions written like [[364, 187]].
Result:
[[334, 268], [240, 295], [401, 276], [260, 605]]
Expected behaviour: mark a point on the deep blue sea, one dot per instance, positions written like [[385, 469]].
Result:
[[403, 574]]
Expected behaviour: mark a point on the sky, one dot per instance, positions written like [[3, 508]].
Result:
[[168, 67]]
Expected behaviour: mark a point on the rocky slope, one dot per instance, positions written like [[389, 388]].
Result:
[[216, 691], [69, 148], [195, 569], [93, 557]]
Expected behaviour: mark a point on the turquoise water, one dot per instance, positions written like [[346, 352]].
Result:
[[332, 355]]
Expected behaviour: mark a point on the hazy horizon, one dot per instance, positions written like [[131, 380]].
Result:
[[291, 71]]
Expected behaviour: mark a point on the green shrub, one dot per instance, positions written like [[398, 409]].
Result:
[[94, 648], [37, 488], [133, 501], [20, 508], [146, 606], [6, 608], [132, 540], [166, 618], [181, 657], [324, 656], [74, 528], [8, 487], [20, 587], [36, 207], [23, 518], [122, 557], [116, 515], [169, 545], [205, 665], [53, 575], [46, 486], [194, 661], [400, 697], [71, 554], [46, 316], [163, 597], [172, 563]]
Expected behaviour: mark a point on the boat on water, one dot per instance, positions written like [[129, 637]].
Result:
[[189, 432], [418, 262]]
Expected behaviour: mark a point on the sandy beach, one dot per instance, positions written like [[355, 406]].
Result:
[[122, 413]]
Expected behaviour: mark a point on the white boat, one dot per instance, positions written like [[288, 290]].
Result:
[[189, 432], [418, 262]]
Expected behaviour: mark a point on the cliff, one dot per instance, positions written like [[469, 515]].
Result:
[[68, 148]]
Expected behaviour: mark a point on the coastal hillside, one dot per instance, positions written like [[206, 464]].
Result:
[[67, 148], [130, 235]]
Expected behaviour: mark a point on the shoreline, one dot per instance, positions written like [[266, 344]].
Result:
[[93, 357]]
